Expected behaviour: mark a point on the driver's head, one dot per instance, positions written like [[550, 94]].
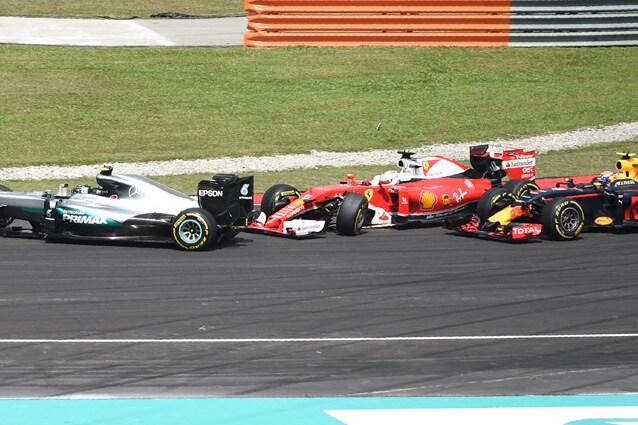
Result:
[[605, 177]]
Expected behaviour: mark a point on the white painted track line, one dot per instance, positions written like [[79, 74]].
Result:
[[303, 340]]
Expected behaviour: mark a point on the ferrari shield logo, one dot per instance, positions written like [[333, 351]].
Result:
[[369, 193]]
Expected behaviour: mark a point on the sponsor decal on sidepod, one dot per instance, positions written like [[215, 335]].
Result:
[[79, 217]]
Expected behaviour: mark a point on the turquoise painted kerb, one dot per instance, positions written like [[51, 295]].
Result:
[[257, 411]]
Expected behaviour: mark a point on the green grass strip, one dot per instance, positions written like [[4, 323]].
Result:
[[119, 8], [94, 105]]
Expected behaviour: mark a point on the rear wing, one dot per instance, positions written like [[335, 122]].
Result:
[[228, 197], [497, 162]]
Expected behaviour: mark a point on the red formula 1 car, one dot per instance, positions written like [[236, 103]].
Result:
[[609, 199], [425, 190]]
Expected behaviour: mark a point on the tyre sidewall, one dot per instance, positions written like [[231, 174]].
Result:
[[275, 194], [493, 201], [351, 214], [552, 219], [520, 187], [203, 220]]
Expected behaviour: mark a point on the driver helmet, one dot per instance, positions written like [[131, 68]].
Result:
[[606, 177]]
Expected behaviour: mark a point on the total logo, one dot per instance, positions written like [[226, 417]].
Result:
[[526, 230], [211, 193]]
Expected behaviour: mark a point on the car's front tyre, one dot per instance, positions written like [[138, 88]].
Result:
[[277, 197], [563, 219], [352, 214]]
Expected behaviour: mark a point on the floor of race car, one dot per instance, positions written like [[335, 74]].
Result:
[[399, 317]]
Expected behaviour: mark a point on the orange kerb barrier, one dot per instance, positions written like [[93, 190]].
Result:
[[377, 6], [257, 39], [377, 22], [408, 23]]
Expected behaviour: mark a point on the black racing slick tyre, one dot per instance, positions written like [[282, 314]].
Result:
[[195, 229], [520, 187], [5, 221], [493, 201], [563, 219], [351, 214], [277, 197]]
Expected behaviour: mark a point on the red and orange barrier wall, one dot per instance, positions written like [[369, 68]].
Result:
[[377, 22], [525, 23]]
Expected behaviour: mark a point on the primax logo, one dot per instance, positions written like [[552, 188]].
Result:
[[83, 219], [80, 217]]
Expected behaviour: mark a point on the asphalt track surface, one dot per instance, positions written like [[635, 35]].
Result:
[[266, 316]]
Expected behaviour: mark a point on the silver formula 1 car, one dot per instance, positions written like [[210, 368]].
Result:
[[132, 208]]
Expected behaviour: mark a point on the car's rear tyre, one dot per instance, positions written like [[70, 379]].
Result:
[[493, 201], [520, 187], [352, 214], [563, 219], [277, 197], [5, 221], [194, 229]]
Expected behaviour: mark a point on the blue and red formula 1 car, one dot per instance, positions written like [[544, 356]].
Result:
[[609, 200]]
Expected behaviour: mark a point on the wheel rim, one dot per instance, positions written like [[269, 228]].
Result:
[[190, 231], [569, 219]]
